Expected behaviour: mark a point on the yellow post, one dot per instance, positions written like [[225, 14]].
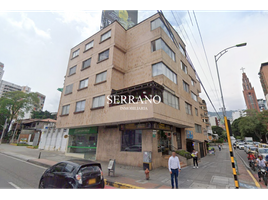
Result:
[[231, 153]]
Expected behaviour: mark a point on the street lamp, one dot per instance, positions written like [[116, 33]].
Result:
[[217, 57]]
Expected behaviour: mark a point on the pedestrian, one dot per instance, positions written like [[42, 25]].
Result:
[[174, 169], [194, 155], [219, 147]]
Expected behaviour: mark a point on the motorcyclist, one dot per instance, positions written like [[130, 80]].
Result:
[[251, 156], [261, 163]]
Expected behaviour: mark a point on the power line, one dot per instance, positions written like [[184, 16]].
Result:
[[205, 53], [187, 56]]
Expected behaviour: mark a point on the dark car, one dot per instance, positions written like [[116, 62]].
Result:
[[76, 173]]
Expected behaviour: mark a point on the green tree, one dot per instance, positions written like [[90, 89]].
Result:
[[253, 125], [42, 115], [14, 104], [217, 130], [235, 128]]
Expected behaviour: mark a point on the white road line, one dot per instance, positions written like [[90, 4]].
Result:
[[24, 161], [15, 186]]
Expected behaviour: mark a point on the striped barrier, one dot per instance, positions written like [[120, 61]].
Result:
[[121, 185]]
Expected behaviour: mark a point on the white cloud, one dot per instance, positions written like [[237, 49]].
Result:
[[28, 25], [86, 23]]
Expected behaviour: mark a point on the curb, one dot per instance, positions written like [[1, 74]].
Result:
[[39, 163], [121, 185], [250, 173]]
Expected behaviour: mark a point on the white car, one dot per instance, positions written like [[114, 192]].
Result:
[[241, 145]]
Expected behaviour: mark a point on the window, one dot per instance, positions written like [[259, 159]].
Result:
[[184, 67], [196, 111], [105, 35], [58, 168], [192, 82], [104, 55], [194, 97], [72, 70], [83, 83], [160, 44], [131, 140], [161, 68], [182, 49], [188, 108], [158, 23], [198, 128], [101, 77], [80, 106], [86, 63], [89, 45], [98, 101], [186, 86], [75, 53], [65, 110], [170, 99], [68, 89], [68, 168]]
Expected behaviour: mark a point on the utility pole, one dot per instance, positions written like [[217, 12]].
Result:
[[227, 124]]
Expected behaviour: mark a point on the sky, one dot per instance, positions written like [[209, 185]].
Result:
[[35, 44]]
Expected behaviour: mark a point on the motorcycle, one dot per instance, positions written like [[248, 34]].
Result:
[[251, 164], [264, 176]]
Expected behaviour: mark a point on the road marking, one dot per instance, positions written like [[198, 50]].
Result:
[[255, 181], [23, 161], [15, 186]]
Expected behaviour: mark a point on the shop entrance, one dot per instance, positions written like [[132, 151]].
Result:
[[83, 141]]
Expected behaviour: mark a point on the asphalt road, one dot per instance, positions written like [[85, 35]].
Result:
[[15, 173], [243, 155], [19, 174]]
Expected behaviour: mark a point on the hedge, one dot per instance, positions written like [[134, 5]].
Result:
[[184, 153]]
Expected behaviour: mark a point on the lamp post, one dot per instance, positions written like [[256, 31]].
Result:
[[217, 57]]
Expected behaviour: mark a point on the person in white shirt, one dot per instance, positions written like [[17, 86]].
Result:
[[174, 168], [261, 163]]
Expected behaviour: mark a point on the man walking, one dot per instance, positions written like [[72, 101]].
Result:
[[174, 168]]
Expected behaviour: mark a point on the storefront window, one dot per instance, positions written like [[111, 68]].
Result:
[[131, 140], [83, 143]]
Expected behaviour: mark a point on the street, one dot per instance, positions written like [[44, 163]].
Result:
[[15, 173], [19, 174], [241, 155]]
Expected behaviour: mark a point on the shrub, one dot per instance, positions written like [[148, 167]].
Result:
[[184, 153], [219, 140], [23, 144]]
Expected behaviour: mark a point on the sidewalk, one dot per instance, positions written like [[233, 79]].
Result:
[[214, 171]]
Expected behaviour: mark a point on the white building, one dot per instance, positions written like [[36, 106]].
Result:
[[6, 86], [262, 104], [237, 114], [1, 71], [213, 121]]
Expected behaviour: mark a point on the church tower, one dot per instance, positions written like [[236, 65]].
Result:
[[249, 93]]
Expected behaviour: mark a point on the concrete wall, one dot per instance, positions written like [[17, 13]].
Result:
[[54, 140], [109, 147]]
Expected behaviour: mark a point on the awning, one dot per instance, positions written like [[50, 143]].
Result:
[[194, 140]]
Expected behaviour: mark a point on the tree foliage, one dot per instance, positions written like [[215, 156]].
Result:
[[217, 130], [254, 124], [235, 128], [14, 104], [42, 115]]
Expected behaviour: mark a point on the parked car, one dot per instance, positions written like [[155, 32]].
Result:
[[76, 173]]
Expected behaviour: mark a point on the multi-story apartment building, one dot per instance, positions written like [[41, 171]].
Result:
[[1, 71], [6, 86], [237, 114], [263, 74], [131, 91]]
